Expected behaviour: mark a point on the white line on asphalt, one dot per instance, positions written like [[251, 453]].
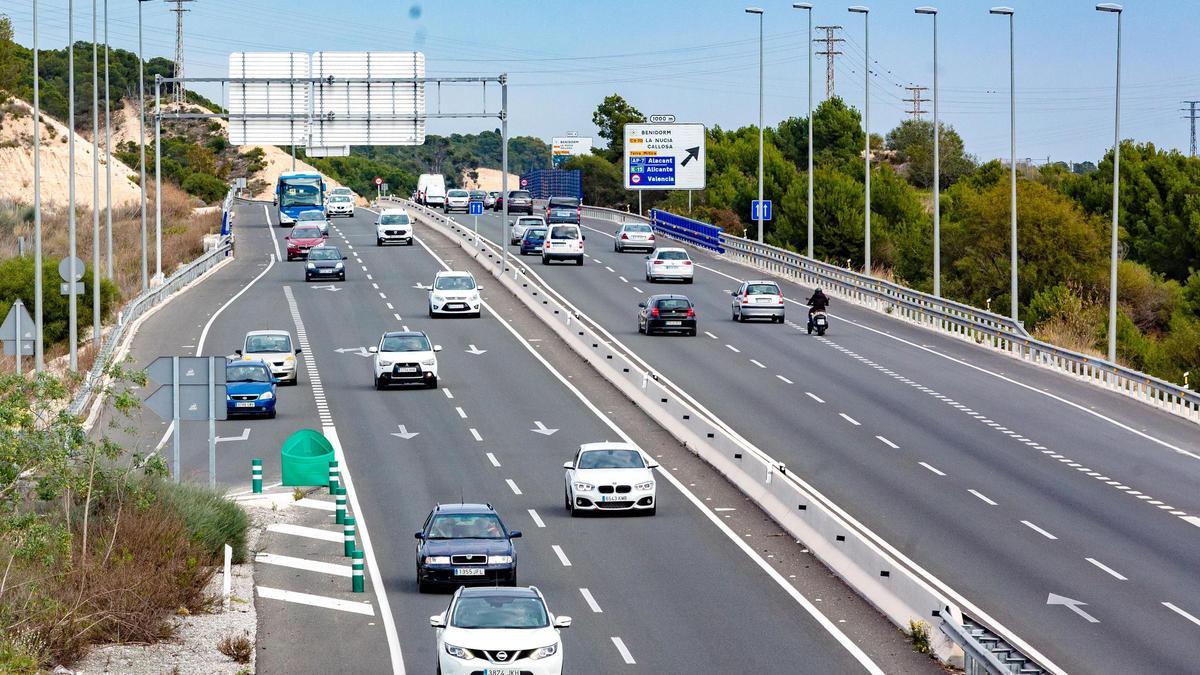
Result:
[[888, 443], [587, 597], [475, 434], [537, 520], [849, 419], [1193, 520], [733, 349], [397, 317], [381, 295], [516, 490], [610, 269], [461, 413], [785, 379], [208, 324], [389, 305], [638, 290], [562, 557], [814, 397], [302, 531], [624, 651], [271, 231], [1037, 529], [1182, 613], [623, 279], [710, 335], [363, 266], [374, 285], [932, 468], [318, 601], [757, 363], [446, 391], [492, 458], [303, 564], [981, 496], [1106, 568], [370, 278], [314, 504]]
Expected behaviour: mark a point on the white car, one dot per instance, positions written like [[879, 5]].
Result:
[[342, 191], [521, 224], [339, 205], [274, 348], [490, 200], [633, 235], [393, 225], [669, 263], [457, 200], [499, 631], [563, 242], [405, 357], [454, 293], [758, 299], [610, 476]]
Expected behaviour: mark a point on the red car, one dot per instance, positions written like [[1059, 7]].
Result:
[[301, 239]]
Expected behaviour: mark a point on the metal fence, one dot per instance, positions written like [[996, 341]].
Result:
[[997, 332]]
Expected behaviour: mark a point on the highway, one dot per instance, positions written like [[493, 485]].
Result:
[[1010, 484], [678, 592]]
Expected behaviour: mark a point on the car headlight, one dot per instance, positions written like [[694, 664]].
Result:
[[436, 298], [384, 363], [648, 485], [543, 652], [437, 560], [338, 266], [459, 652], [499, 560], [429, 364], [584, 487], [290, 357], [266, 396], [312, 266]]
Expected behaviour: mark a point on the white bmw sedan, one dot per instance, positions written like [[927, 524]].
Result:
[[610, 477]]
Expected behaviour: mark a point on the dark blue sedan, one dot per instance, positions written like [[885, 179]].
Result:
[[249, 389], [465, 544]]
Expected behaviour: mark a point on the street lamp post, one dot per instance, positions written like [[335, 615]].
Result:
[[107, 157], [859, 9], [38, 357], [73, 303], [1112, 269], [937, 161], [808, 7], [142, 147], [95, 182], [1012, 151], [759, 12]]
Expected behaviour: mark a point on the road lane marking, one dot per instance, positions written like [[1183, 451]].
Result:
[[638, 290], [375, 285], [981, 496], [303, 564], [932, 468], [1193, 520], [271, 229], [733, 349], [888, 443], [610, 269], [1182, 613], [475, 434], [446, 391], [382, 295], [587, 597], [495, 462], [757, 363], [516, 490], [623, 650], [397, 317], [389, 305], [537, 520], [316, 601], [314, 504], [849, 419], [1106, 568], [623, 279], [785, 379], [1037, 529], [710, 335], [302, 531], [370, 278], [562, 557], [461, 413], [814, 397]]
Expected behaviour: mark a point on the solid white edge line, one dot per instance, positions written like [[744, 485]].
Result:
[[271, 230], [824, 621], [211, 319], [1106, 568], [562, 557], [1037, 529], [1182, 613], [620, 645], [587, 597], [316, 601], [537, 520]]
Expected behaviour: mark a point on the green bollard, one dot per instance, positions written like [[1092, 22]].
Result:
[[348, 531], [256, 476], [357, 572], [339, 515], [333, 474]]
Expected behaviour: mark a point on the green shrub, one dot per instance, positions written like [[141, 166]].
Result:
[[16, 658], [16, 281], [211, 520], [205, 186]]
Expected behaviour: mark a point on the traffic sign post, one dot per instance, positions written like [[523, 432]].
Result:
[[664, 156], [764, 206], [191, 388], [475, 209], [17, 332], [378, 185]]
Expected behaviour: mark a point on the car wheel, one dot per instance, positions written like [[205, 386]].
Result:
[[688, 280], [432, 383], [271, 415], [378, 384], [579, 261], [692, 332], [379, 242], [566, 500], [545, 260], [733, 314], [651, 511], [423, 587]]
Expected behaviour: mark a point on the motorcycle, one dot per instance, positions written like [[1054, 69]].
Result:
[[818, 321]]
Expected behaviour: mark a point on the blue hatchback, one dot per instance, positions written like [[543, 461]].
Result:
[[249, 389], [533, 240]]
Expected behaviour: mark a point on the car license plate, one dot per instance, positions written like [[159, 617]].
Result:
[[674, 323], [762, 299], [468, 571], [245, 404], [406, 370], [614, 498], [502, 671]]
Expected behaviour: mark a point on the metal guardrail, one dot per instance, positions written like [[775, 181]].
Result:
[[694, 232], [142, 303], [947, 316], [977, 659]]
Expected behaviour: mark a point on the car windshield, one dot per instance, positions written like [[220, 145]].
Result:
[[564, 233], [478, 194], [611, 459], [300, 194], [405, 343], [564, 201], [529, 222], [535, 234], [499, 611], [339, 199], [455, 283], [268, 343], [519, 194], [393, 219], [638, 228], [311, 215], [493, 194], [457, 193], [325, 253], [240, 373], [306, 233], [672, 255], [762, 289], [466, 526], [674, 303]]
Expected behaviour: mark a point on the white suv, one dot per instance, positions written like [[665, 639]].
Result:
[[610, 476], [454, 293], [274, 348], [405, 357], [563, 242], [393, 225], [500, 630]]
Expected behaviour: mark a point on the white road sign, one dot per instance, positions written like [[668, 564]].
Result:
[[563, 148], [664, 157]]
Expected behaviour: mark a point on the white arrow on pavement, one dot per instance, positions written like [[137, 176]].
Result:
[[420, 287], [541, 429], [361, 351], [1073, 605], [245, 435], [474, 350], [405, 433], [328, 287]]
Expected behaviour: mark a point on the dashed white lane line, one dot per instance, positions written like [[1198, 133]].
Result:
[[610, 269], [623, 650], [711, 335], [370, 278], [784, 379], [587, 597], [623, 279], [814, 397], [446, 391], [757, 363], [303, 564], [1182, 613], [374, 285], [1193, 520], [381, 295], [495, 462], [364, 267], [461, 413], [1037, 529], [516, 490], [397, 316], [1106, 568], [932, 468], [562, 557], [316, 600], [475, 434], [888, 443], [389, 305], [537, 520], [982, 497], [733, 349], [638, 290], [850, 419]]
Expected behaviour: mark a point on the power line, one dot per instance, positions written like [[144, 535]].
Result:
[[915, 101], [1192, 114], [830, 51]]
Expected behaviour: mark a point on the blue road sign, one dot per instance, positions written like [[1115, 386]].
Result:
[[765, 205], [652, 171], [475, 208]]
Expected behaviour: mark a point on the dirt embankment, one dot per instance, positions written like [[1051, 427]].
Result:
[[489, 179]]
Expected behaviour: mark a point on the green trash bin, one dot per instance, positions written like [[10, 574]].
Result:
[[305, 458]]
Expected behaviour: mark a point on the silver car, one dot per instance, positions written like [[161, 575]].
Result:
[[758, 300], [457, 200], [633, 236]]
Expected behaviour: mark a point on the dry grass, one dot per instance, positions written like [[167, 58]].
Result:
[[237, 647], [1069, 334]]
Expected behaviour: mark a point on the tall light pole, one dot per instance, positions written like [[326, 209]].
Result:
[[1012, 151], [72, 302], [1112, 268], [142, 148], [859, 9], [38, 360], [95, 182], [937, 163], [107, 157], [759, 12], [808, 7]]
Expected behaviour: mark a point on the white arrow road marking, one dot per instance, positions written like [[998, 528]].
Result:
[[419, 287], [541, 429], [244, 436], [405, 433], [193, 408], [328, 287], [475, 350], [360, 351], [1073, 605]]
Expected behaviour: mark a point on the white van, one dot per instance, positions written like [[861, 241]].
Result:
[[432, 190], [563, 242]]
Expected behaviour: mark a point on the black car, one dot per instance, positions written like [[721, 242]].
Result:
[[325, 262], [563, 210], [666, 314], [465, 544], [519, 201]]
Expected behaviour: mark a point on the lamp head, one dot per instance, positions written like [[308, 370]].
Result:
[[859, 9], [801, 5], [1004, 11], [754, 10], [1109, 7], [926, 10]]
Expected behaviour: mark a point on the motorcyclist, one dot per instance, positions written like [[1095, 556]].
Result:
[[817, 303]]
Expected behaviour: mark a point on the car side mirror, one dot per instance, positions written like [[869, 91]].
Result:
[[437, 621], [419, 535], [274, 380], [479, 288], [373, 349], [298, 352], [559, 621], [582, 237], [238, 352], [652, 465], [733, 294], [647, 257], [515, 534], [345, 258], [437, 348], [642, 305], [568, 464]]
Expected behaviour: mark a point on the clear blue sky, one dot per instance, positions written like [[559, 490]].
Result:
[[698, 59]]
